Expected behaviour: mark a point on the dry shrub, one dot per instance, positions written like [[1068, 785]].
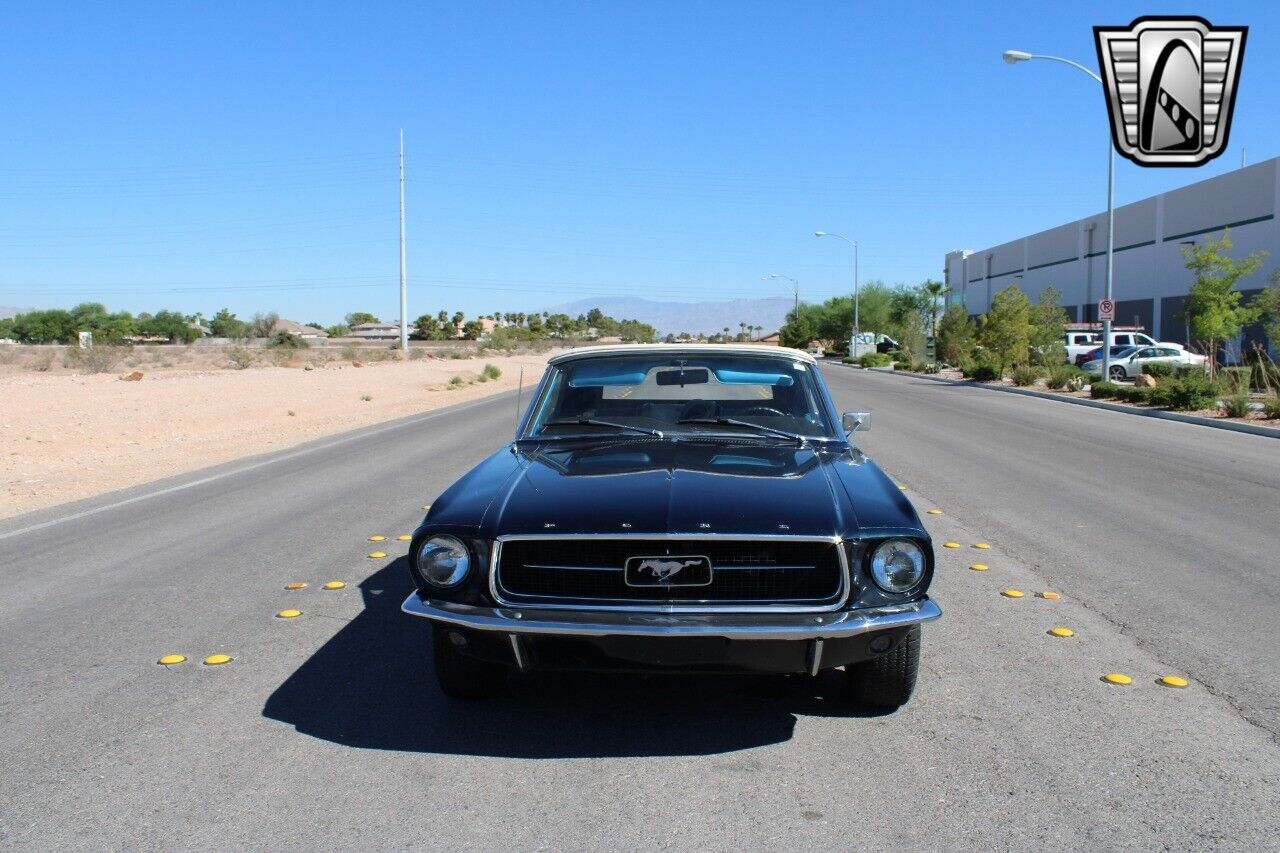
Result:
[[241, 357], [42, 359], [8, 354], [96, 359]]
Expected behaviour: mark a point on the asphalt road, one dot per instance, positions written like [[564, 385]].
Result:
[[327, 730]]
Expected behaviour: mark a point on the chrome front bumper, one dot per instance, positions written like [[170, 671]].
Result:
[[733, 626]]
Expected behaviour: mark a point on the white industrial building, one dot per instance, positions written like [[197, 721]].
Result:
[[1151, 279]]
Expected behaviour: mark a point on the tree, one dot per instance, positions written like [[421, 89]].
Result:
[[338, 331], [1007, 330], [956, 335], [934, 291], [1213, 308], [172, 325], [1048, 319], [426, 328], [1267, 304], [908, 308], [472, 330], [44, 327], [358, 318], [797, 331], [264, 325], [225, 325]]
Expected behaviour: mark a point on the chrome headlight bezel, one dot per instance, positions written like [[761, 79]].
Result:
[[449, 557], [886, 555]]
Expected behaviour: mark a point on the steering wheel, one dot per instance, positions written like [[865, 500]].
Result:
[[764, 410]]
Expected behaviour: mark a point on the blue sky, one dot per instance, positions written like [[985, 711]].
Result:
[[243, 155]]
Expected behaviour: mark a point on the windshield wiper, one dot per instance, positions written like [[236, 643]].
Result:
[[794, 436], [598, 422]]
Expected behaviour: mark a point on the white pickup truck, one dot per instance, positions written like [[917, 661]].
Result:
[[1080, 343]]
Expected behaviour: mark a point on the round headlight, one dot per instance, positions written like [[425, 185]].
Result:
[[897, 565], [444, 561]]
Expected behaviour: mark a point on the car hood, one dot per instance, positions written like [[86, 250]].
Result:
[[646, 486]]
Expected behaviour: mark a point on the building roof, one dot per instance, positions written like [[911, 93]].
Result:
[[295, 328], [673, 349]]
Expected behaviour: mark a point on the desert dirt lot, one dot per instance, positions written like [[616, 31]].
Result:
[[66, 435]]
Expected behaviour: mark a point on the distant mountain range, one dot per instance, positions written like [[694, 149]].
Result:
[[7, 311], [675, 317]]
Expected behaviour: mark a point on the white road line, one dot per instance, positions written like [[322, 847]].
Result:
[[245, 468]]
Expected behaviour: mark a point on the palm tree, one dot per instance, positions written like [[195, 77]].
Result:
[[725, 338], [934, 291]]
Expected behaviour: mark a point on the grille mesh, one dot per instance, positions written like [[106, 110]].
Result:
[[743, 571]]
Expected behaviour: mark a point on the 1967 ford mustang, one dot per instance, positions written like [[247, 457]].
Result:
[[677, 508]]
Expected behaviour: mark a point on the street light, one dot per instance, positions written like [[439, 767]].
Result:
[[857, 331], [1015, 56], [794, 284]]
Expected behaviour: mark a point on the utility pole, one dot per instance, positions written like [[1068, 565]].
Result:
[[404, 289]]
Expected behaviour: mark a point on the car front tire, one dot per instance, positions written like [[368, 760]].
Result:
[[461, 676], [885, 683], [1118, 374]]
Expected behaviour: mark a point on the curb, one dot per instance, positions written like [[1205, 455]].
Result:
[[1248, 429]]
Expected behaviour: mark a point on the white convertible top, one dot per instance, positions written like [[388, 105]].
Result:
[[760, 351]]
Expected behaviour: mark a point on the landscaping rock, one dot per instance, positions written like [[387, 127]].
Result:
[[1144, 381], [136, 376]]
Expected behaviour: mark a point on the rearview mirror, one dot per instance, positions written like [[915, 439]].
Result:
[[855, 422]]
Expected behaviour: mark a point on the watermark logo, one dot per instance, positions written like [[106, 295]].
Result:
[[1171, 86]]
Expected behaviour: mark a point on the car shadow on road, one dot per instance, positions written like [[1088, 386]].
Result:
[[371, 686]]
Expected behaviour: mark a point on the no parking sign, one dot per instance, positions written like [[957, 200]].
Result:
[[1106, 309]]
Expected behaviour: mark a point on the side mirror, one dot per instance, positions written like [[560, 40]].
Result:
[[855, 422]]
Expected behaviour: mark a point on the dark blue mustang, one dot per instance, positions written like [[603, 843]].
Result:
[[676, 508]]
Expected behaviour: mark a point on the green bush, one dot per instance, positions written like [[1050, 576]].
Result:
[[984, 373], [490, 371], [1271, 407], [287, 340], [1236, 406], [874, 359], [1158, 369], [1103, 390], [1025, 375], [1189, 392], [1061, 376], [1133, 394]]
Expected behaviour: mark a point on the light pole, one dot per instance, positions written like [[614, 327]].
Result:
[[1015, 56], [794, 284], [856, 342]]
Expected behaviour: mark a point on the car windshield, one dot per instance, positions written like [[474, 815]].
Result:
[[684, 393]]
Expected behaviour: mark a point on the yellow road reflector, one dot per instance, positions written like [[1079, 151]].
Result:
[[935, 512], [334, 585], [404, 537], [288, 614], [170, 660], [1012, 593], [377, 537], [1051, 596], [377, 555], [426, 506], [1062, 632], [901, 486], [979, 567], [1173, 681], [950, 544], [295, 585], [216, 660], [1117, 678], [981, 546]]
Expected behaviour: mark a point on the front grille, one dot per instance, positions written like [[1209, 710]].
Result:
[[744, 572]]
